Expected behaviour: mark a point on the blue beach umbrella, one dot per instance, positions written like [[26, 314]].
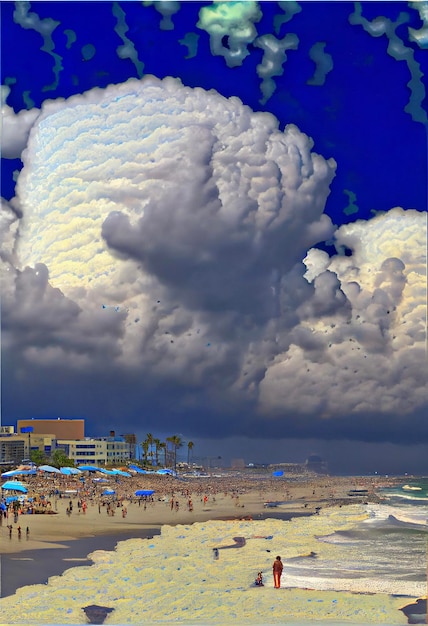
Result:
[[49, 468], [67, 471], [14, 485], [89, 468], [11, 473], [121, 473], [278, 473], [18, 472], [144, 492], [137, 469], [166, 472], [108, 492]]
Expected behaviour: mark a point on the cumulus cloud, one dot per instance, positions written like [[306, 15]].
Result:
[[15, 127], [367, 323], [167, 244]]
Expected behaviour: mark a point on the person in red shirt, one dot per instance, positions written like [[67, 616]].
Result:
[[277, 571]]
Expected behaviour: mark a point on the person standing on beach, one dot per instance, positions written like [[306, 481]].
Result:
[[277, 572]]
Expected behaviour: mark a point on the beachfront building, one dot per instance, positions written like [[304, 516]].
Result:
[[14, 447], [12, 450], [97, 451], [60, 428]]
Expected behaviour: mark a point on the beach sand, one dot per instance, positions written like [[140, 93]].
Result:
[[58, 533]]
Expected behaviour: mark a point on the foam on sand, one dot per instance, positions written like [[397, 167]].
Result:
[[174, 576]]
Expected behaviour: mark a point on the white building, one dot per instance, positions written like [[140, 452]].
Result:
[[96, 451]]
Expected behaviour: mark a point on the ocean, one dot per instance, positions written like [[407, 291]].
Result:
[[360, 563]]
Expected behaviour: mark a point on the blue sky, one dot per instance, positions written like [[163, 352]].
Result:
[[244, 307]]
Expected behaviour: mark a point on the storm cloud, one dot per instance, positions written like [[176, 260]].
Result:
[[166, 262]]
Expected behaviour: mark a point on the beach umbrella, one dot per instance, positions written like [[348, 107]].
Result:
[[278, 473], [121, 473], [168, 472], [89, 468], [137, 469], [49, 468], [67, 471], [109, 472], [14, 485], [144, 492], [108, 492], [11, 473]]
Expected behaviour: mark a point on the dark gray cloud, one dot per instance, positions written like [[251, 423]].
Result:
[[165, 277]]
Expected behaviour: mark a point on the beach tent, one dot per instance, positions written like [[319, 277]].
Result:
[[144, 492], [14, 485], [278, 473], [67, 471], [49, 468]]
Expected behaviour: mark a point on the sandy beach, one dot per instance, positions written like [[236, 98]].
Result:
[[226, 498], [255, 506]]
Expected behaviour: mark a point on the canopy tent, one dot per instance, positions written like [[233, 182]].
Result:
[[14, 485], [144, 492], [49, 468], [67, 471]]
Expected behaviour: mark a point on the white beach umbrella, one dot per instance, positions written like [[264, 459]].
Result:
[[49, 468]]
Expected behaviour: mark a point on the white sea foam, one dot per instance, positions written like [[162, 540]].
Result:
[[174, 576]]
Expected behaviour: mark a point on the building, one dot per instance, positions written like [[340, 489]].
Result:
[[97, 451], [315, 463], [24, 444], [7, 430], [12, 450], [60, 428]]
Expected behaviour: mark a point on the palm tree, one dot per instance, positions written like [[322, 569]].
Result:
[[150, 440], [145, 446], [176, 443], [157, 446], [189, 449], [162, 446]]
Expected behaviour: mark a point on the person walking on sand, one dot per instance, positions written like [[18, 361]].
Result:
[[277, 572]]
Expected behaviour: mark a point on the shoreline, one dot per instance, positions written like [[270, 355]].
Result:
[[55, 559], [59, 544]]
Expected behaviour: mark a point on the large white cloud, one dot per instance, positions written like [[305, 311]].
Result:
[[15, 127], [373, 358], [189, 216]]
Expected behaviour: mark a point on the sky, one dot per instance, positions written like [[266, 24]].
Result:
[[214, 224]]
